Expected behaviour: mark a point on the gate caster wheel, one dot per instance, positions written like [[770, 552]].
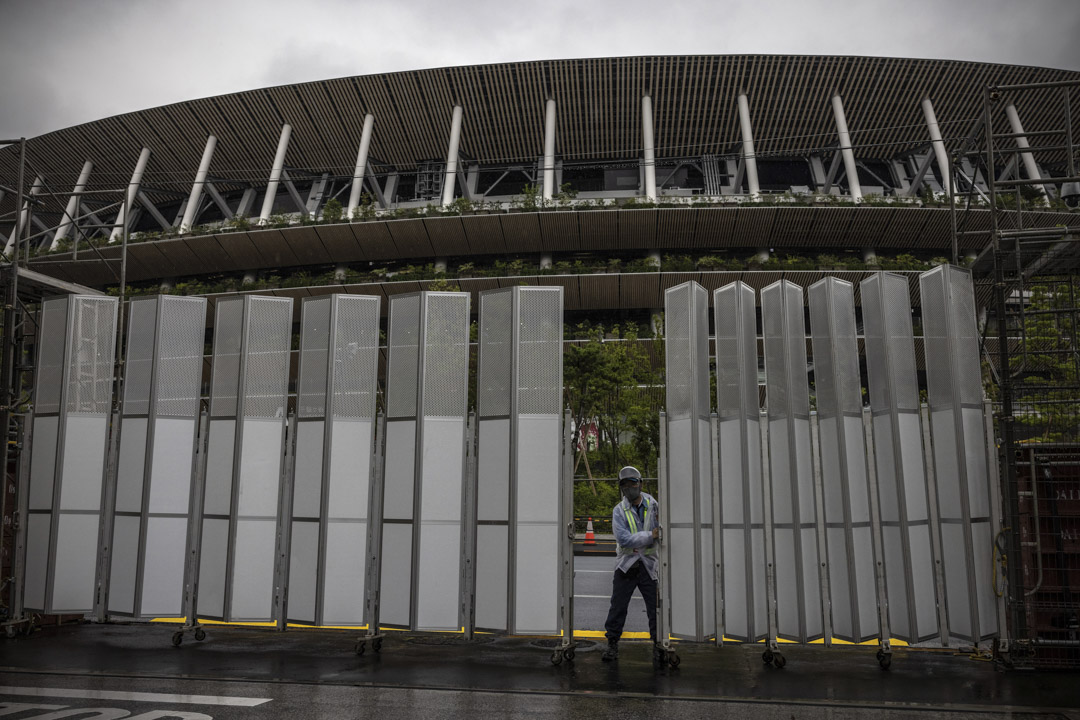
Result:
[[177, 638], [360, 647], [200, 634], [11, 631], [767, 657], [556, 657], [778, 661], [376, 644], [674, 659], [568, 654], [884, 659]]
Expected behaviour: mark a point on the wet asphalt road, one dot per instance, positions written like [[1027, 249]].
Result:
[[304, 702], [132, 672], [592, 596]]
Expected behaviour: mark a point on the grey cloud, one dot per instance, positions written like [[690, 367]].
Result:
[[69, 62]]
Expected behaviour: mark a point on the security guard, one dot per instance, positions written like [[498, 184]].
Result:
[[635, 521]]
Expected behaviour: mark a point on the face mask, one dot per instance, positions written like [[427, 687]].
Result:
[[631, 492]]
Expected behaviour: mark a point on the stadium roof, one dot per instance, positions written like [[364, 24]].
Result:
[[598, 115]]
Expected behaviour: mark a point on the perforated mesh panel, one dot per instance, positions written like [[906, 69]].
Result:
[[139, 365], [847, 348], [180, 356], [314, 348], [269, 336], [446, 354], [356, 356], [540, 351], [935, 337], [796, 346], [93, 351], [677, 351], [824, 362], [404, 356], [901, 343], [700, 309], [228, 319], [874, 332], [776, 381], [836, 364], [52, 339], [496, 350], [751, 399], [729, 380], [965, 335]]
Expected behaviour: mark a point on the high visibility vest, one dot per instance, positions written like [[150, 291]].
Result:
[[631, 520]]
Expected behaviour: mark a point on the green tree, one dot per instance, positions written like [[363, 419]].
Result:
[[332, 211], [1049, 359], [613, 383]]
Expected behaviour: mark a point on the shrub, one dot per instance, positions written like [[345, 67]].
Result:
[[332, 211]]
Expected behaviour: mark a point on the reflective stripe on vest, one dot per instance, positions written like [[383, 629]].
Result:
[[632, 522]]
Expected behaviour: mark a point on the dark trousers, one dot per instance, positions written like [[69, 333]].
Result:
[[622, 589]]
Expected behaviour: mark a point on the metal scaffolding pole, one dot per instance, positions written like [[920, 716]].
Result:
[[9, 374]]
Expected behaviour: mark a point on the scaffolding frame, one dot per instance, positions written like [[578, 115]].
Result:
[[1021, 264]]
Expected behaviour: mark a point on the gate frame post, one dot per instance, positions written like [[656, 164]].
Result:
[[884, 637], [284, 526], [373, 583], [566, 544]]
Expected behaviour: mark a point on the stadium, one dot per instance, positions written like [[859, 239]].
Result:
[[611, 177], [614, 179]]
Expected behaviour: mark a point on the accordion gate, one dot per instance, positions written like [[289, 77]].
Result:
[[156, 462], [786, 523], [423, 503], [241, 505], [332, 467], [72, 402], [832, 526], [519, 393]]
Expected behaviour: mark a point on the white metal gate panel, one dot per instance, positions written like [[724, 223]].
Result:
[[903, 499], [792, 493], [742, 519], [162, 383], [688, 501], [252, 339], [336, 388], [73, 392], [849, 537], [427, 393], [961, 467], [519, 392]]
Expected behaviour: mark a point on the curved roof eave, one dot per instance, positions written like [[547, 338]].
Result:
[[598, 114]]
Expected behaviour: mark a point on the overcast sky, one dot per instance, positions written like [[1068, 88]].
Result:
[[64, 62]]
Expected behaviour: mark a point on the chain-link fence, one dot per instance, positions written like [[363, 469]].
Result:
[[1041, 465]]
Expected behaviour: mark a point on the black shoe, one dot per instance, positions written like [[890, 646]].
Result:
[[611, 653]]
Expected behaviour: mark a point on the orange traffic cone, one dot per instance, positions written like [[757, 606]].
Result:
[[590, 536]]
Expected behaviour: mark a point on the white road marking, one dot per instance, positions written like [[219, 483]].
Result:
[[605, 597], [134, 696], [606, 572]]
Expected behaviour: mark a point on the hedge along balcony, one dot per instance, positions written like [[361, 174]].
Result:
[[522, 268], [899, 229]]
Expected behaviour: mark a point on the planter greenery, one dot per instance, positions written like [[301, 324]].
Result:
[[522, 266]]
